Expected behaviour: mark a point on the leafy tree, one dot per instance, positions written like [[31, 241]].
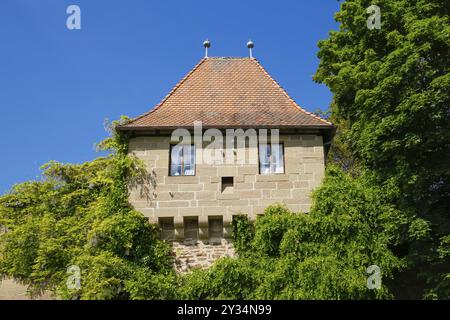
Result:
[[321, 255], [79, 215], [391, 97]]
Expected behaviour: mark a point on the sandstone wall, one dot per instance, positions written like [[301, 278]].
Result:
[[201, 254], [179, 199], [200, 195]]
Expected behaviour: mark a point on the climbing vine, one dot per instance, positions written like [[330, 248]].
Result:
[[78, 218]]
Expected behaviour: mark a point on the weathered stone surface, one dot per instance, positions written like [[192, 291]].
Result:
[[203, 254], [201, 195]]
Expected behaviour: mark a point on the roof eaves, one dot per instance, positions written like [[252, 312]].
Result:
[[167, 96], [295, 104], [304, 126]]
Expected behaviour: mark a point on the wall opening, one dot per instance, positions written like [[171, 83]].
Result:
[[215, 228], [167, 228], [227, 184], [190, 228]]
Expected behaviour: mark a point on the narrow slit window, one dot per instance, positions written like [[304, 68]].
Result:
[[271, 158], [182, 160]]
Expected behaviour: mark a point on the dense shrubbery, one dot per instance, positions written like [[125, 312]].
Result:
[[388, 205], [79, 215], [321, 255], [391, 97]]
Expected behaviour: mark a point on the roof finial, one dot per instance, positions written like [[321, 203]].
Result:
[[207, 45], [250, 45]]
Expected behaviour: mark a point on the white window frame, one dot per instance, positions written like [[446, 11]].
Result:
[[183, 164], [272, 165]]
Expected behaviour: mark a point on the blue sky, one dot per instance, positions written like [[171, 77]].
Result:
[[57, 86]]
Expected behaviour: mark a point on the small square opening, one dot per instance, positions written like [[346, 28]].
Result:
[[227, 184]]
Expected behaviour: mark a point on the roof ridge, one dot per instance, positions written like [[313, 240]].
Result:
[[295, 104], [171, 91]]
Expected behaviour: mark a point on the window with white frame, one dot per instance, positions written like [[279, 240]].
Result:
[[182, 160], [271, 158]]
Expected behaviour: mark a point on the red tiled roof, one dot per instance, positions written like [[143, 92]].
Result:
[[227, 92]]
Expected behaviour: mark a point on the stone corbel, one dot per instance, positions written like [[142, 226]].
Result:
[[203, 232], [227, 226], [179, 228]]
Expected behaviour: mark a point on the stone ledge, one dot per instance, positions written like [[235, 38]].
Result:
[[181, 179], [272, 177]]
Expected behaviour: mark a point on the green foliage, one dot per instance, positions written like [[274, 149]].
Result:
[[79, 215], [391, 97], [242, 234], [228, 279], [321, 255], [269, 231], [387, 204]]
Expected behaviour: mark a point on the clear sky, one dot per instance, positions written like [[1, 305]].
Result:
[[57, 86]]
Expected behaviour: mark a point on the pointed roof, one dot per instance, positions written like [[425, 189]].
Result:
[[228, 92]]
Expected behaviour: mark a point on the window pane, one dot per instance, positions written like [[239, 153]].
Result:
[[271, 159], [265, 168], [277, 158], [189, 160], [176, 154], [175, 170], [175, 160], [264, 158], [182, 159], [189, 170]]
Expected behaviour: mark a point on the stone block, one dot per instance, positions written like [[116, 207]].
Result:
[[168, 196], [272, 177], [227, 171], [166, 212], [243, 186], [284, 185], [205, 195], [213, 211], [265, 185], [247, 170], [191, 187], [314, 168], [181, 179], [280, 194], [248, 178], [249, 194], [206, 170], [233, 202], [173, 204]]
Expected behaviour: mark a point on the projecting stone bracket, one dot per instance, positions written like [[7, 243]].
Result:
[[179, 228]]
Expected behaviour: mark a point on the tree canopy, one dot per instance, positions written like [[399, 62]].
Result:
[[79, 216], [391, 104], [384, 202], [321, 255]]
